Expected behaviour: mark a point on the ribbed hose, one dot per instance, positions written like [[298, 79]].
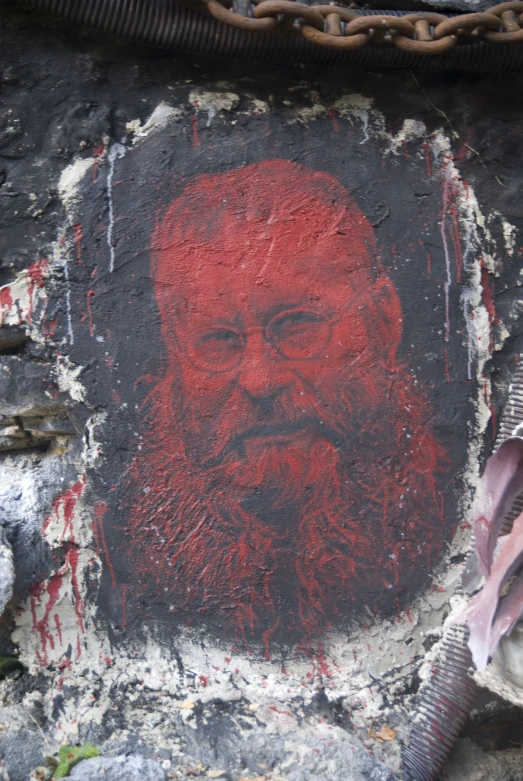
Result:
[[444, 704], [168, 25]]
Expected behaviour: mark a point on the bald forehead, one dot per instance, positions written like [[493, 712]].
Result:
[[267, 262]]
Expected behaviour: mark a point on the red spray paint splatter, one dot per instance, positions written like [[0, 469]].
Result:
[[98, 152], [36, 273], [489, 300], [282, 383], [63, 510], [52, 589], [335, 125], [195, 139]]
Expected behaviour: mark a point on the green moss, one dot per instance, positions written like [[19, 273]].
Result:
[[69, 756]]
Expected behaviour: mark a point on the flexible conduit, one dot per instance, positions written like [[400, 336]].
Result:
[[168, 25]]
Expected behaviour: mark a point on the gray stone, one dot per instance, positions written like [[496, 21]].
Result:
[[301, 753], [22, 751], [26, 387], [7, 572], [324, 752], [118, 769], [12, 336]]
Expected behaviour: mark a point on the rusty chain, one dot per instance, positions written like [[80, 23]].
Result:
[[334, 27]]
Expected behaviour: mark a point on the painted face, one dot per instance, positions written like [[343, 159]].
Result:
[[270, 318], [283, 475]]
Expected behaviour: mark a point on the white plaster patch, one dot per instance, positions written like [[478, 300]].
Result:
[[67, 378], [71, 178], [161, 116], [411, 130], [25, 298], [213, 102]]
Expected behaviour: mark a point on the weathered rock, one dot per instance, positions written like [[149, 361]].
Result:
[[322, 752], [7, 572], [12, 336], [51, 426], [26, 386], [134, 768], [22, 750], [468, 762], [297, 753]]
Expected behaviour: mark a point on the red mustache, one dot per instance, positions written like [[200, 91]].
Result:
[[289, 414]]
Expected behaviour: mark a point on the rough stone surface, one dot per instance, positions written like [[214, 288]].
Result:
[[22, 750], [468, 762], [7, 572], [118, 769]]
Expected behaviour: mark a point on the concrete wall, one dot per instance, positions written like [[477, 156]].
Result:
[[257, 330]]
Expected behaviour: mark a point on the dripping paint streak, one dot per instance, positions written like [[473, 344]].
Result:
[[116, 152], [448, 280], [335, 124], [456, 244], [195, 139], [63, 510], [78, 236], [65, 266]]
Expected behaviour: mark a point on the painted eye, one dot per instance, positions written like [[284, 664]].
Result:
[[300, 335], [217, 349]]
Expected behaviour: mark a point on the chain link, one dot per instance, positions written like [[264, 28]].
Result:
[[334, 27]]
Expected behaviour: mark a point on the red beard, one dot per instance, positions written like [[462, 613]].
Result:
[[279, 539]]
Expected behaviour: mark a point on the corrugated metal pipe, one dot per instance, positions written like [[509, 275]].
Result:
[[169, 25]]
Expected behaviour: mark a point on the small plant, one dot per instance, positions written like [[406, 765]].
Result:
[[69, 756], [8, 664]]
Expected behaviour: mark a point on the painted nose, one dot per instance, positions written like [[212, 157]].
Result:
[[261, 376]]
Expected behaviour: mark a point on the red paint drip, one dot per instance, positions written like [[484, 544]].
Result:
[[90, 294], [488, 292], [36, 273], [65, 504], [58, 627], [99, 512], [78, 236], [335, 123], [446, 362], [98, 152], [72, 558], [195, 139], [52, 589]]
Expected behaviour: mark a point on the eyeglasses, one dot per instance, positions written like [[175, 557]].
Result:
[[296, 335]]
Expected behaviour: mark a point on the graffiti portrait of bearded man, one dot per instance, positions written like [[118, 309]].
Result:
[[287, 485]]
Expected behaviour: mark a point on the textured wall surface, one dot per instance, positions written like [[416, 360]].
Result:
[[257, 329]]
